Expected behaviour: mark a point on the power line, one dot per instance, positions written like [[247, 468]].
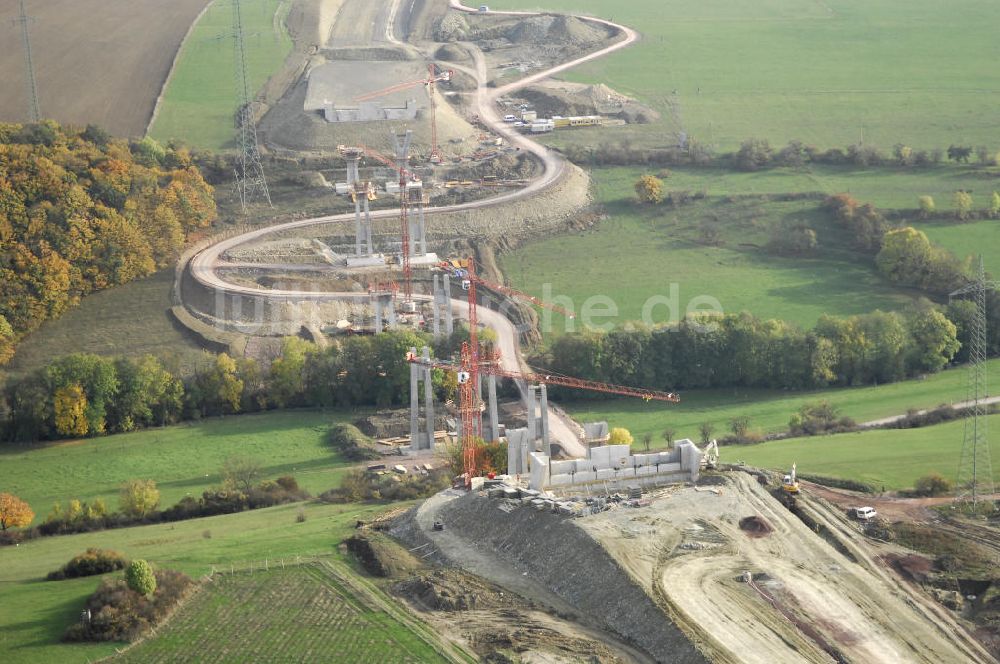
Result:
[[29, 65], [975, 471], [251, 185]]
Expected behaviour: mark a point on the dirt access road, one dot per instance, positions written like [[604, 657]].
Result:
[[96, 61], [809, 602]]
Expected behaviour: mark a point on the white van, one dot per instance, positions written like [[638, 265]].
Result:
[[509, 118], [864, 513]]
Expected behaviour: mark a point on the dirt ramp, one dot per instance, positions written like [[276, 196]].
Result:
[[553, 552]]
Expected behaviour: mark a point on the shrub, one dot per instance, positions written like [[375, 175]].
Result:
[[352, 443], [359, 486], [89, 563], [839, 483], [139, 577], [818, 418], [931, 485], [116, 613]]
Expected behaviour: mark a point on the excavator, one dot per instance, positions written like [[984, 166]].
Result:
[[710, 455], [789, 484]]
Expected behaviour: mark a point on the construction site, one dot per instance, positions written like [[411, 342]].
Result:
[[672, 555]]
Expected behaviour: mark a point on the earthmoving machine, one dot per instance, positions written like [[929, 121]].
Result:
[[710, 455], [789, 483], [472, 364], [433, 78]]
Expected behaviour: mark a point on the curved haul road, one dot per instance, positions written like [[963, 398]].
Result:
[[204, 264]]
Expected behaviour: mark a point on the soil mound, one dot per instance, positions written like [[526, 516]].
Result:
[[382, 556], [756, 526], [453, 590], [555, 29], [451, 53]]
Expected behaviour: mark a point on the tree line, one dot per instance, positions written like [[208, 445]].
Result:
[[742, 350], [81, 211], [87, 395], [756, 154]]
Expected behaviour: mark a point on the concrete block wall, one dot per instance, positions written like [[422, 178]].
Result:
[[613, 462]]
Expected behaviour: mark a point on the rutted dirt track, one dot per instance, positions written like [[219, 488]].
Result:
[[680, 562], [96, 61], [809, 601]]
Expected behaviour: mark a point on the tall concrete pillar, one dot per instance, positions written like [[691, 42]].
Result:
[[491, 390], [449, 315], [436, 307], [544, 417], [384, 311], [428, 442], [367, 225], [358, 227], [415, 371], [529, 402]]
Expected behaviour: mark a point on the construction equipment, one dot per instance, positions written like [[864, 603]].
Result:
[[710, 455], [789, 483], [433, 78], [465, 270]]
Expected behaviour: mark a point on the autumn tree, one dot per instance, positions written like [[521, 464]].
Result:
[[81, 211], [6, 336], [70, 406], [993, 211], [649, 189], [620, 436], [14, 512], [963, 204], [138, 498], [926, 205]]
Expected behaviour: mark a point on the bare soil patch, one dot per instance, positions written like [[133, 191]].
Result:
[[756, 526], [96, 61]]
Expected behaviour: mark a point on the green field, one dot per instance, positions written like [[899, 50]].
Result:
[[34, 612], [637, 252], [200, 101], [131, 321], [770, 410], [183, 459], [890, 458], [824, 72], [301, 613]]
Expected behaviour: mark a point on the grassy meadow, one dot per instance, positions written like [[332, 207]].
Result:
[[35, 612], [829, 72], [770, 410], [131, 320], [638, 251], [199, 104], [182, 459], [891, 458]]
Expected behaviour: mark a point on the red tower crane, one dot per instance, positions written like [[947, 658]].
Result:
[[433, 78], [472, 364]]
